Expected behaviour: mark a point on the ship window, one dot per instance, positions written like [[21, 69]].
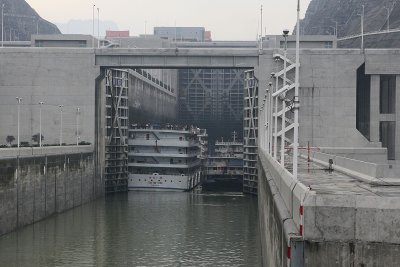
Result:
[[147, 136], [180, 138], [171, 181], [139, 180]]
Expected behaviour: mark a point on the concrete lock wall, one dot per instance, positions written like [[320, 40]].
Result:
[[326, 76], [53, 76], [37, 186]]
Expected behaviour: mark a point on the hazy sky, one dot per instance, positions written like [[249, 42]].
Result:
[[227, 19]]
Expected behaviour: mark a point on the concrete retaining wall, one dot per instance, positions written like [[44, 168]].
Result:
[[37, 186], [339, 230], [277, 227]]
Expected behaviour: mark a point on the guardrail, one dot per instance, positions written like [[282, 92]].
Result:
[[48, 150]]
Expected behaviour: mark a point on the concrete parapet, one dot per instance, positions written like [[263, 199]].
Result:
[[369, 154], [292, 192], [364, 171], [36, 151]]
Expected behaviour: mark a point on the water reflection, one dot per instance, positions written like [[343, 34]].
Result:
[[143, 229]]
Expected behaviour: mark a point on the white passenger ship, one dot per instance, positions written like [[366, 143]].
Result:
[[163, 158]]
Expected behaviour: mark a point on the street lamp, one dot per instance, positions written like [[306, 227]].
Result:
[[261, 30], [40, 123], [77, 125], [19, 100], [2, 25], [270, 116], [296, 97], [285, 35], [98, 27], [93, 27], [61, 122], [362, 26]]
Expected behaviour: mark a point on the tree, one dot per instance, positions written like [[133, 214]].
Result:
[[35, 138], [10, 139]]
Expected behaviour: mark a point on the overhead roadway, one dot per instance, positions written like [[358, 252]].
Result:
[[177, 58]]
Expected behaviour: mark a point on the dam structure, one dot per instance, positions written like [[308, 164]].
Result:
[[342, 207]]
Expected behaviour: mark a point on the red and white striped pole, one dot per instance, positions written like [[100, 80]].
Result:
[[301, 212]]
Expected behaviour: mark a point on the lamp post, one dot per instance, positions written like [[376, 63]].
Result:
[[98, 27], [61, 123], [2, 25], [276, 121], [261, 41], [77, 125], [362, 27], [296, 97], [19, 100], [271, 90], [267, 117], [93, 27], [40, 123], [285, 35]]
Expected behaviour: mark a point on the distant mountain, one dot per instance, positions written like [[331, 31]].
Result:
[[322, 15], [86, 27], [21, 20]]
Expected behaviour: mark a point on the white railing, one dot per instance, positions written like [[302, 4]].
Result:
[[276, 126]]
